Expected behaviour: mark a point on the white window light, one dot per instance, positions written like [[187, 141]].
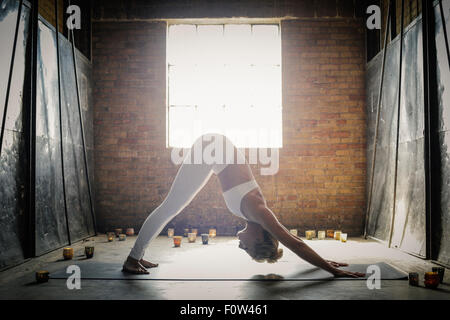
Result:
[[224, 79]]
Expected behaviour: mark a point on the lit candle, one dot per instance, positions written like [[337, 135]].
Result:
[[89, 251], [130, 232], [110, 236], [330, 233], [177, 241], [194, 231], [294, 232], [343, 237], [212, 233], [309, 234], [170, 232], [192, 237], [431, 280], [42, 276], [321, 235], [68, 253], [440, 271], [337, 235], [122, 237]]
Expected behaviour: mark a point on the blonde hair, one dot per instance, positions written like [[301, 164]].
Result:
[[267, 250]]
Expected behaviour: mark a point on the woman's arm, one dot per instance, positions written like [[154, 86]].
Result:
[[265, 217]]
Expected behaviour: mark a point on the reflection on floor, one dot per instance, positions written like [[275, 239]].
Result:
[[221, 256]]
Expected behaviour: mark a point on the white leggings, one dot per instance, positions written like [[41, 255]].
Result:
[[190, 179]]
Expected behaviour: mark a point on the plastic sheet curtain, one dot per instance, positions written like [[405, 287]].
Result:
[[50, 219]]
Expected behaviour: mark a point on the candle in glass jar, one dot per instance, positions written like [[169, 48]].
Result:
[[110, 236], [294, 232], [68, 253], [170, 232], [89, 251], [194, 230], [309, 234], [192, 237], [130, 232], [177, 241], [440, 271], [413, 278], [186, 231], [42, 276], [321, 235], [205, 237], [337, 235], [122, 237], [212, 233], [343, 237], [431, 280], [330, 233]]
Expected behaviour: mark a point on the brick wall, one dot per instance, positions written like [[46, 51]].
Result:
[[47, 11], [321, 179]]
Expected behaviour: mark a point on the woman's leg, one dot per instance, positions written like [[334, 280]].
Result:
[[190, 179]]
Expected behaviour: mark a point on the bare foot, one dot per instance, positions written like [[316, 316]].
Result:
[[147, 264], [134, 266]]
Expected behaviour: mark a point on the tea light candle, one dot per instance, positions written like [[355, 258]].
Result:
[[122, 237], [118, 231], [170, 232], [413, 278], [89, 251], [68, 253], [440, 271], [337, 235], [330, 233], [212, 233], [321, 235], [192, 237], [309, 234], [205, 238], [42, 276], [177, 241], [110, 236], [130, 232], [431, 280], [343, 237], [294, 232]]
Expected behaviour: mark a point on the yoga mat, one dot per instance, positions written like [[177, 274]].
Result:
[[294, 272]]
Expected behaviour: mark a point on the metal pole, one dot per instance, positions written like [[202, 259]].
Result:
[[60, 121], [398, 121], [380, 94], [11, 68], [82, 131], [432, 151], [441, 9], [32, 131]]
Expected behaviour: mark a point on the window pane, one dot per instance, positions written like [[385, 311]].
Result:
[[181, 126], [183, 85], [267, 43], [209, 44], [181, 44], [266, 86], [238, 49]]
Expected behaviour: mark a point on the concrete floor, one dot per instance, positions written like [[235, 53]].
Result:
[[222, 255]]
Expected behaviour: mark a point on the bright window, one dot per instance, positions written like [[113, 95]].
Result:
[[224, 79]]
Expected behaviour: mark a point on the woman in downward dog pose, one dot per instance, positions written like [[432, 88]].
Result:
[[243, 198]]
